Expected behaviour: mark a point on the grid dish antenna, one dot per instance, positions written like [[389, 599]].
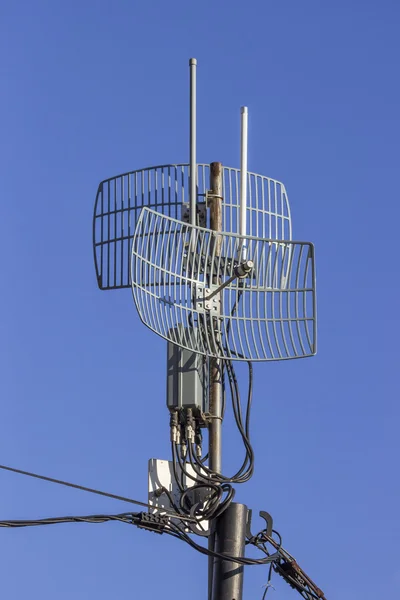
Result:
[[166, 189], [226, 282], [191, 288]]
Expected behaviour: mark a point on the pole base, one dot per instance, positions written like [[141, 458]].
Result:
[[230, 538]]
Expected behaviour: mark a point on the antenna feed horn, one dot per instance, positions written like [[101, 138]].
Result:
[[244, 269]]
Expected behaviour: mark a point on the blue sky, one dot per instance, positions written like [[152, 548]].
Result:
[[93, 89]]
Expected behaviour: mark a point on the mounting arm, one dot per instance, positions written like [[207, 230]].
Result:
[[240, 272]]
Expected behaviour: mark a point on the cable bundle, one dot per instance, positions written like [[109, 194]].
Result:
[[171, 523], [186, 450]]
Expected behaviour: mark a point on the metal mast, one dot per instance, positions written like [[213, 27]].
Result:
[[215, 394], [215, 427], [208, 252]]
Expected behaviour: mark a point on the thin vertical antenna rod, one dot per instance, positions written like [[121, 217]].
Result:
[[243, 182], [193, 165]]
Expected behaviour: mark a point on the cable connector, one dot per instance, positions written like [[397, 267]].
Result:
[[183, 449], [173, 423], [198, 440], [244, 268], [151, 522], [190, 424]]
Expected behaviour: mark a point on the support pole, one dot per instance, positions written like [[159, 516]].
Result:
[[193, 164], [215, 364], [230, 537], [243, 183], [215, 448]]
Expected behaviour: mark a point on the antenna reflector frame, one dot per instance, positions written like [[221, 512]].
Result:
[[166, 188], [268, 315]]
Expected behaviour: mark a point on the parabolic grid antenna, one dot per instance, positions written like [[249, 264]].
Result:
[[244, 292], [191, 288], [165, 189]]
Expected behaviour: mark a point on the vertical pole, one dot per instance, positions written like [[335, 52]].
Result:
[[193, 164], [215, 364], [243, 183], [215, 450], [230, 538]]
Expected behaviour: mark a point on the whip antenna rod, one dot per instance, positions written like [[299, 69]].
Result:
[[243, 181], [193, 166]]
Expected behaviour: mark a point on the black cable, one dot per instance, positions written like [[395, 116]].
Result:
[[203, 459], [216, 502], [237, 412], [218, 486], [74, 485], [238, 559], [220, 505], [249, 398], [171, 499], [279, 543], [281, 561], [83, 488], [268, 585], [129, 518], [202, 483], [194, 462], [223, 403], [244, 432], [174, 452], [242, 474], [173, 530], [234, 308], [133, 519], [286, 566]]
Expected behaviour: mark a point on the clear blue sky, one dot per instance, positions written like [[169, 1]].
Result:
[[93, 89]]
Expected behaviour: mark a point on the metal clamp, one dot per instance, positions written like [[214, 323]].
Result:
[[210, 302], [240, 271], [152, 522], [209, 195], [268, 520], [201, 210]]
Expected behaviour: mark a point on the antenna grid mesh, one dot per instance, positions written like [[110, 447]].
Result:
[[269, 315], [120, 199]]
